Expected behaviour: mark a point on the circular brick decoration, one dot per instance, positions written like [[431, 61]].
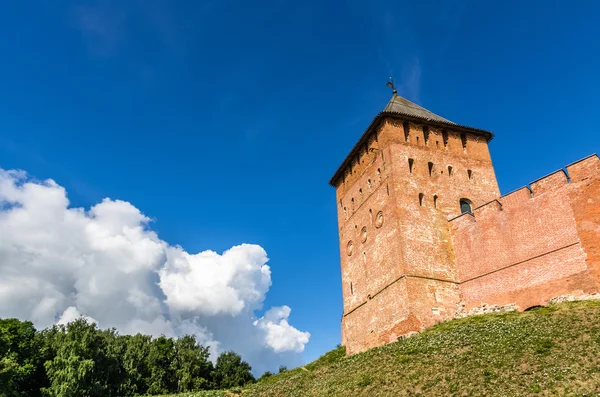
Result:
[[363, 234], [349, 248], [379, 220]]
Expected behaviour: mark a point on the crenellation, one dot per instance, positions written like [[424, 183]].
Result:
[[517, 197], [494, 206], [586, 168], [551, 181]]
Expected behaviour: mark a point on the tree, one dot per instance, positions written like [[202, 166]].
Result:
[[112, 366], [135, 364], [21, 364], [84, 364], [192, 365], [78, 359], [160, 365], [231, 371]]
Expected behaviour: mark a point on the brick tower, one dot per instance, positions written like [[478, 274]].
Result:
[[409, 173]]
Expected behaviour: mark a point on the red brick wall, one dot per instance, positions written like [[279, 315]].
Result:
[[406, 267], [399, 276], [530, 246]]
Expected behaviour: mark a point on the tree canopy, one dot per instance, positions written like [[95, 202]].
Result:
[[78, 359]]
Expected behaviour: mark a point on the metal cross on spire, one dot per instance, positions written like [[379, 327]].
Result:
[[390, 84]]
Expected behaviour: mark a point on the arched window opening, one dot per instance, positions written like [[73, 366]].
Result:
[[421, 195], [360, 194], [449, 170], [417, 140], [470, 174], [426, 134], [465, 206], [369, 184], [410, 165], [435, 198], [430, 165], [406, 130], [445, 137]]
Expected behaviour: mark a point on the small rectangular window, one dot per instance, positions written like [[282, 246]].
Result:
[[463, 138], [406, 127]]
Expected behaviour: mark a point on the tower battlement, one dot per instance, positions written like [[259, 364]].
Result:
[[587, 168], [409, 259]]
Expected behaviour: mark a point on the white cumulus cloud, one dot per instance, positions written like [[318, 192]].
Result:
[[72, 314], [208, 283], [106, 264], [280, 335]]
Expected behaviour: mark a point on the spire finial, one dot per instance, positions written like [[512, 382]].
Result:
[[390, 84]]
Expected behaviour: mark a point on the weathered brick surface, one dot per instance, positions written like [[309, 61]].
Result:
[[379, 320], [528, 248], [398, 237], [409, 260]]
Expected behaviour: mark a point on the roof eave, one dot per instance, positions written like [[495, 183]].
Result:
[[408, 117]]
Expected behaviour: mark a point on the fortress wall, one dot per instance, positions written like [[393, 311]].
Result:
[[431, 300], [528, 247], [585, 201], [381, 319]]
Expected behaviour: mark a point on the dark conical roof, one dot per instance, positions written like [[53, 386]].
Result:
[[403, 106], [402, 109]]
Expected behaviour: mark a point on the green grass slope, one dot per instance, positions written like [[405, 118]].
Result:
[[552, 350]]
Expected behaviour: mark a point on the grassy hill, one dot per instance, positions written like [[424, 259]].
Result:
[[552, 350]]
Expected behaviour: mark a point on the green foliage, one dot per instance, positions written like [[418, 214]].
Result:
[[231, 371], [365, 380], [160, 359], [266, 375], [135, 364], [81, 360], [21, 359], [193, 368], [86, 362]]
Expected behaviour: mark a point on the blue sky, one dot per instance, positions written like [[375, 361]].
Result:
[[224, 120]]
